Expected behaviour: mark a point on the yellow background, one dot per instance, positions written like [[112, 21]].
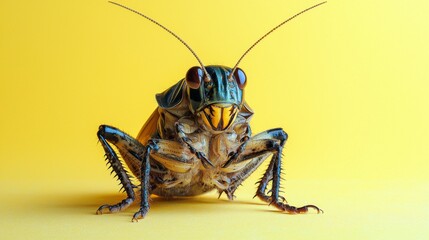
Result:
[[348, 81]]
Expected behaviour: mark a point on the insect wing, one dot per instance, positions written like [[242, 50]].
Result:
[[149, 128]]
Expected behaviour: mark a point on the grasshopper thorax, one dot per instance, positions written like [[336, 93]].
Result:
[[216, 98]]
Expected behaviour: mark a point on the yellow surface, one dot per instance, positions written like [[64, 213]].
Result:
[[348, 81]]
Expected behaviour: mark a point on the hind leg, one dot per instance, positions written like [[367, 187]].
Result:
[[256, 150], [130, 150]]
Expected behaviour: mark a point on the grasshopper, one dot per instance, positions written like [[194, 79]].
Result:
[[198, 139]]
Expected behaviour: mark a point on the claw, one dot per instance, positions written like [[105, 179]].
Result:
[[304, 209], [296, 210], [107, 208], [102, 209], [140, 214], [99, 211]]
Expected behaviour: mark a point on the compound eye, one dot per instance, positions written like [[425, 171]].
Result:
[[240, 78], [194, 76]]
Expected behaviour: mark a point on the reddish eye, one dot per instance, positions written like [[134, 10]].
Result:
[[194, 77], [240, 78]]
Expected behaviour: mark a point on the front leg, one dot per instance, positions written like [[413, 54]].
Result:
[[180, 130], [120, 140], [243, 140], [136, 155]]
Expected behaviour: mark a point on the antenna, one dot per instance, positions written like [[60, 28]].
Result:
[[169, 31], [268, 33]]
